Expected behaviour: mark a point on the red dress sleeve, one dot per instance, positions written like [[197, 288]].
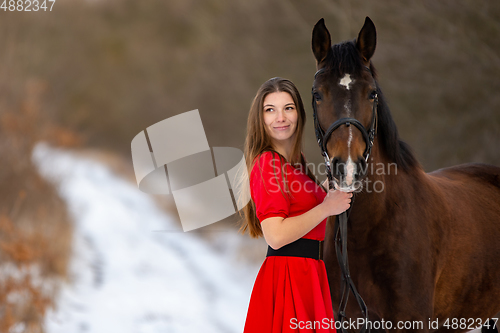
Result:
[[267, 187]]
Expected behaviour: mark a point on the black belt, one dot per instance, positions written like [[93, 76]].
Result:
[[302, 247]]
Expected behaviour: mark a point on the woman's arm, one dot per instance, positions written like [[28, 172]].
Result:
[[279, 231]]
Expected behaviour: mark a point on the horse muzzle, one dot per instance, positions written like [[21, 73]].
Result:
[[347, 175]]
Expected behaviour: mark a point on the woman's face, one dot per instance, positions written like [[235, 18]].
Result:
[[280, 117]]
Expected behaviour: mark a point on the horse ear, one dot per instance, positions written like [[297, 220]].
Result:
[[367, 40], [321, 42]]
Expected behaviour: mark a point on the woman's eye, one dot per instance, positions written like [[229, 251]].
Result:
[[268, 110], [373, 95], [289, 108]]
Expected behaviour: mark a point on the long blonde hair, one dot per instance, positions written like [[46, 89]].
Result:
[[258, 141]]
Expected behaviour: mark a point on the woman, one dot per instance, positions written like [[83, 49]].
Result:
[[289, 208]]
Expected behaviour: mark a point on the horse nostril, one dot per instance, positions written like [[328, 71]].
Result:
[[338, 168], [333, 165]]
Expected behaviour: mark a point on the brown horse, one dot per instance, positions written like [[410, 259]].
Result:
[[424, 249]]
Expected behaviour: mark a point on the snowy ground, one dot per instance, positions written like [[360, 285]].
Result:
[[126, 276]]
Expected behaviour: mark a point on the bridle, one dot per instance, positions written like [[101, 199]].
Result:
[[340, 229]]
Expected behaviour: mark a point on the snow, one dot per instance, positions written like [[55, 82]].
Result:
[[127, 276]]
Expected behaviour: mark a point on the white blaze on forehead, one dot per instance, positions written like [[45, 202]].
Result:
[[346, 81]]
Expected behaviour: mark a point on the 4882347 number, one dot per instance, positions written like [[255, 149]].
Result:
[[26, 5], [470, 324]]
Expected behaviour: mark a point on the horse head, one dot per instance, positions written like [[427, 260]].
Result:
[[345, 96]]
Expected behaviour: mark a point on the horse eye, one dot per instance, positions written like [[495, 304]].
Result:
[[317, 97], [373, 94]]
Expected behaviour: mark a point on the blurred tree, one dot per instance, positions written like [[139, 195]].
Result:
[[115, 67]]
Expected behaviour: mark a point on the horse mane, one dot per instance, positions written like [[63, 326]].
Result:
[[344, 58]]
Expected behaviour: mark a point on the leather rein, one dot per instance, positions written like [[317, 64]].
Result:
[[340, 229]]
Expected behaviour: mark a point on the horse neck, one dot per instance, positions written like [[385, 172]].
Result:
[[385, 183]]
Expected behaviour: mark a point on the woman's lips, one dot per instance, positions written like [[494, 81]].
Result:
[[281, 128]]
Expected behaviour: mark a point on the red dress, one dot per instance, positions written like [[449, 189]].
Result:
[[290, 294]]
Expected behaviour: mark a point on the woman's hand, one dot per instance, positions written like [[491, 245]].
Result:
[[336, 202]]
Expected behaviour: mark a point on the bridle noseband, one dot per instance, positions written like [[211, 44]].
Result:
[[323, 137], [340, 228]]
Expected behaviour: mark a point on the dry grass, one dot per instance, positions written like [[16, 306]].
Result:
[[35, 232]]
